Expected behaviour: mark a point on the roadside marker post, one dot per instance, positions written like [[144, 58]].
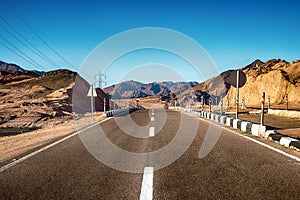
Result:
[[243, 103], [237, 94], [262, 109], [104, 104], [221, 105], [209, 102], [234, 101], [202, 100], [287, 101]]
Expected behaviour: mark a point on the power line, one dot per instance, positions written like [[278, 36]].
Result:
[[15, 30], [47, 59], [37, 35], [18, 54], [29, 58]]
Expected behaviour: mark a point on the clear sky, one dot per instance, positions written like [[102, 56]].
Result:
[[234, 33]]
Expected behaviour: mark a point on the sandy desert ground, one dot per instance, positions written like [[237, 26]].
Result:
[[13, 146]]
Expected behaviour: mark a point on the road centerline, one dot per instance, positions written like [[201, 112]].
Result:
[[152, 119], [151, 131], [147, 184]]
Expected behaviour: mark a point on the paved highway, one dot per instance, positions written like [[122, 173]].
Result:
[[95, 165]]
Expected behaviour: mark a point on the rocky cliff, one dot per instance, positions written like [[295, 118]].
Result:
[[276, 78]]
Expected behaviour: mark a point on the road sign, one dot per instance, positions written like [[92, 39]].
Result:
[[232, 78], [92, 92]]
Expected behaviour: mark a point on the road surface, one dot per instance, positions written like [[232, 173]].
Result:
[[236, 168]]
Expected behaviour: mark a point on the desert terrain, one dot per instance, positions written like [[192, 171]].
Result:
[[36, 107]]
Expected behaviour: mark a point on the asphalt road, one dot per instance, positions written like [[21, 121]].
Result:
[[235, 168]]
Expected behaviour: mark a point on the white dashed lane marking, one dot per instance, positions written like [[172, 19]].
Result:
[[147, 184], [151, 131]]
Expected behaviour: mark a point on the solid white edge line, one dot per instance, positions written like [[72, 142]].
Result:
[[147, 184], [254, 140], [5, 167]]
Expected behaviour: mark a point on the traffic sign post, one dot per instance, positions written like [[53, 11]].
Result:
[[92, 93], [237, 79]]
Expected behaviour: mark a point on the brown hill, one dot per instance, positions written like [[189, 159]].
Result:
[[14, 76], [34, 101], [9, 67]]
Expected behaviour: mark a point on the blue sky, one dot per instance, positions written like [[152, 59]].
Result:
[[234, 33]]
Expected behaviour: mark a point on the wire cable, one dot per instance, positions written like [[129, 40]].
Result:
[[47, 59], [41, 39], [29, 58]]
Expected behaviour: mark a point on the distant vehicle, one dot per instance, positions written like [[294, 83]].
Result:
[[138, 100]]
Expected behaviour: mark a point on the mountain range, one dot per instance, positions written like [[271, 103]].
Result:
[[135, 89], [13, 68], [277, 78]]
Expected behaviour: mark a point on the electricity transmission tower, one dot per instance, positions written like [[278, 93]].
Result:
[[100, 79]]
